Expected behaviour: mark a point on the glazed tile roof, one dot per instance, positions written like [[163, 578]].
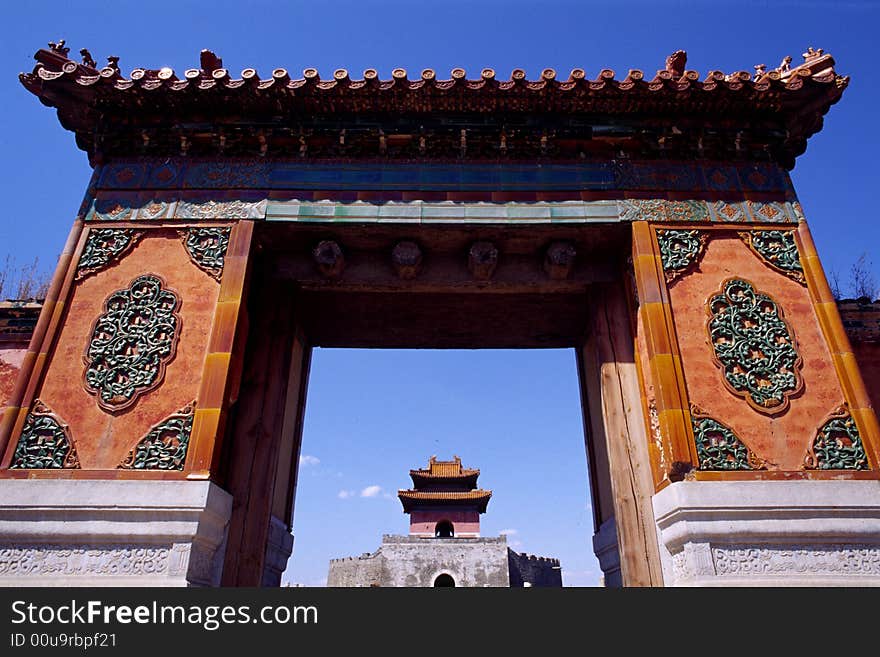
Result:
[[413, 499], [209, 109], [444, 469]]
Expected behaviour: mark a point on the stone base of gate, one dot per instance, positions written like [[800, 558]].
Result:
[[56, 532], [769, 533], [279, 547], [607, 552]]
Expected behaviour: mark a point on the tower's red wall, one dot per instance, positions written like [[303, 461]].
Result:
[[423, 523]]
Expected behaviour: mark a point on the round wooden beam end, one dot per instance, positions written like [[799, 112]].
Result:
[[559, 260], [482, 260], [406, 258], [329, 259]]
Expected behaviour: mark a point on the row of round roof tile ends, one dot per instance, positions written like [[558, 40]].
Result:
[[211, 73]]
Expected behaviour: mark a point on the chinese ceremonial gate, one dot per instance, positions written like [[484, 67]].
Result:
[[233, 224]]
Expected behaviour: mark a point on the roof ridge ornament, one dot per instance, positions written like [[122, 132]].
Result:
[[209, 61], [87, 59], [676, 62], [812, 53], [59, 48]]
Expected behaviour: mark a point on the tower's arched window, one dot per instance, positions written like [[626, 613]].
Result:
[[444, 529], [444, 580]]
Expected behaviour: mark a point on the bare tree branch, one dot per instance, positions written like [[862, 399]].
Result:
[[863, 283]]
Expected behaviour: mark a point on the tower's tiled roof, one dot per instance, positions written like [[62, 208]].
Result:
[[444, 469], [413, 498], [444, 483]]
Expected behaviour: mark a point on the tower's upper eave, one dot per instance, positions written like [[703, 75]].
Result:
[[768, 114]]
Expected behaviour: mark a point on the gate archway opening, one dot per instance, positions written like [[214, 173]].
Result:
[[374, 414], [355, 298]]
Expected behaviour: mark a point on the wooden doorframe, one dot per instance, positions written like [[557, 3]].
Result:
[[616, 435]]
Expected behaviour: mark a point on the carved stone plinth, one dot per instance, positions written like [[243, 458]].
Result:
[[279, 547], [112, 533], [608, 553], [769, 533]]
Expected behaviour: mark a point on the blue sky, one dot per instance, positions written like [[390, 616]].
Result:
[[373, 415]]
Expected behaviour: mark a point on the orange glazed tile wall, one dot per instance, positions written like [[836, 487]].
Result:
[[659, 458], [782, 440], [103, 439]]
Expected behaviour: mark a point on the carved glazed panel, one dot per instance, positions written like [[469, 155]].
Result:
[[207, 247], [754, 346], [132, 342], [838, 445], [718, 447], [102, 246], [45, 442], [679, 250], [777, 248], [165, 446]]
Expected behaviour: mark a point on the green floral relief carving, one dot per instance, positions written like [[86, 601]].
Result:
[[102, 246], [679, 250], [164, 447], [718, 447], [131, 342], [754, 346], [837, 445], [778, 249], [45, 442], [207, 247]]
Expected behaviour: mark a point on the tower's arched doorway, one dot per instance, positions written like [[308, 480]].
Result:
[[444, 529], [444, 579]]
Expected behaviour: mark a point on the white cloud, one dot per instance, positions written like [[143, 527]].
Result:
[[515, 544], [305, 459], [508, 532], [345, 494], [371, 491]]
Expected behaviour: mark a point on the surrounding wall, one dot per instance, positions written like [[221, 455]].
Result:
[[530, 570], [365, 570], [17, 322], [862, 322], [413, 561]]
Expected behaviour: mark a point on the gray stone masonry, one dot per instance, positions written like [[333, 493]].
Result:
[[529, 570], [411, 561]]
